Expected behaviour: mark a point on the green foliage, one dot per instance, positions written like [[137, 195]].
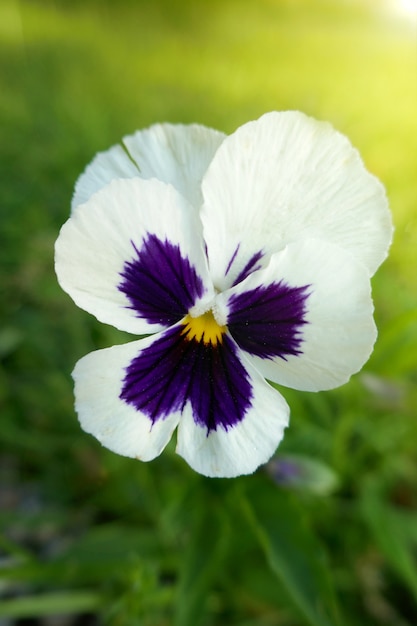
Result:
[[86, 531], [292, 551]]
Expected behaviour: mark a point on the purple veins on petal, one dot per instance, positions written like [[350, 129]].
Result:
[[267, 321], [251, 266], [160, 283], [177, 369], [232, 258]]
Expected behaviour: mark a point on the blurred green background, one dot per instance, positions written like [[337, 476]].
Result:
[[88, 537]]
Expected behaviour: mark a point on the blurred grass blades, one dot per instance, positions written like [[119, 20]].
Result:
[[57, 603], [395, 530], [201, 563], [292, 552]]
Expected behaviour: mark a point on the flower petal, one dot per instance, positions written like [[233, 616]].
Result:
[[284, 178], [305, 321], [178, 373], [105, 167], [173, 153], [119, 426], [241, 448], [133, 256], [132, 397]]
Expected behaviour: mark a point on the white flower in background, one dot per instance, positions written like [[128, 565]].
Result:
[[245, 258]]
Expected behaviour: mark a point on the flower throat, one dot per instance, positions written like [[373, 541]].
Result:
[[203, 329]]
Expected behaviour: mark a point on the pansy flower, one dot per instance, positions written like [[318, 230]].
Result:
[[237, 260]]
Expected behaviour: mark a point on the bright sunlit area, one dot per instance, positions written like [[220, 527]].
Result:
[[324, 531], [408, 7], [404, 10]]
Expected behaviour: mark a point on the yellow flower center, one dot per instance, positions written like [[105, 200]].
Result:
[[203, 328]]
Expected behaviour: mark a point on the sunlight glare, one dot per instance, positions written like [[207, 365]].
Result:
[[408, 7]]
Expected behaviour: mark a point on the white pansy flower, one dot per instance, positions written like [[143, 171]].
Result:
[[245, 258]]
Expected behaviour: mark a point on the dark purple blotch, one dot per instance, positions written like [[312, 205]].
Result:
[[176, 369], [160, 283], [267, 321]]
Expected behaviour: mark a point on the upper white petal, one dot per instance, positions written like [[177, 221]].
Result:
[[105, 167], [173, 153], [340, 332], [283, 178], [243, 447], [96, 242], [117, 425]]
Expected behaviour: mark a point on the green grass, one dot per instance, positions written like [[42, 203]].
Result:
[[87, 531]]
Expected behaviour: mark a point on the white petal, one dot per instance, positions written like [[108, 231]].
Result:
[[281, 179], [117, 425], [173, 153], [339, 333], [105, 167], [101, 236], [243, 447]]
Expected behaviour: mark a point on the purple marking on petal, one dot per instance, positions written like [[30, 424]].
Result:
[[160, 283], [251, 266], [267, 321], [175, 370], [229, 265]]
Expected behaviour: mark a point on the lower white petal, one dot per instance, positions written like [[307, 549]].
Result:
[[118, 425], [242, 447]]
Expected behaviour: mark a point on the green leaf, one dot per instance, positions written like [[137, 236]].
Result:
[[61, 603], [201, 561], [293, 552], [93, 558], [10, 339], [394, 530]]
